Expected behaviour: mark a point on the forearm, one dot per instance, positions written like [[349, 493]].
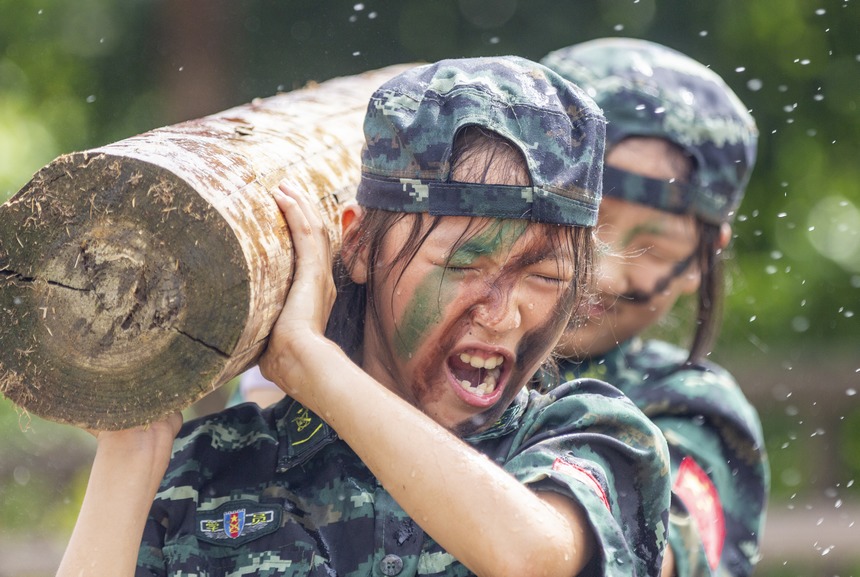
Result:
[[125, 476], [468, 504]]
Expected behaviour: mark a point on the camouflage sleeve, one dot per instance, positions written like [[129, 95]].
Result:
[[719, 470], [587, 441]]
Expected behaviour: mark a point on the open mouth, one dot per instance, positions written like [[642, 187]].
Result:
[[478, 375]]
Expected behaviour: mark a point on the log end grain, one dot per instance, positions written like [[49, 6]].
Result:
[[122, 293]]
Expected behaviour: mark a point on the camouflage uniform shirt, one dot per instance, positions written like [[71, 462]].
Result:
[[719, 466], [276, 492]]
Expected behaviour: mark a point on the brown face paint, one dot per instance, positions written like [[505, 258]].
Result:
[[438, 290], [530, 353]]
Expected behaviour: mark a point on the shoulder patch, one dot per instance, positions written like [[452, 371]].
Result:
[[700, 497], [237, 522]]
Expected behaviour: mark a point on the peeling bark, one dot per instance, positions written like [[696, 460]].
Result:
[[137, 277]]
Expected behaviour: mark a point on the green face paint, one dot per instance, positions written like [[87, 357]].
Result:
[[436, 291], [653, 228], [424, 311]]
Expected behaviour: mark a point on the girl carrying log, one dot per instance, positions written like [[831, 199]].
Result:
[[407, 443]]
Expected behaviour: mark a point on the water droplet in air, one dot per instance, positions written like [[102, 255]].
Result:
[[754, 84]]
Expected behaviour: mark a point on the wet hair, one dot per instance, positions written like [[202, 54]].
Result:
[[708, 257], [474, 151], [711, 288]]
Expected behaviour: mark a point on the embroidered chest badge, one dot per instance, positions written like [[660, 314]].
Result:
[[237, 522]]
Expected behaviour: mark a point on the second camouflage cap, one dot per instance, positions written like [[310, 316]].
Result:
[[646, 89], [412, 121]]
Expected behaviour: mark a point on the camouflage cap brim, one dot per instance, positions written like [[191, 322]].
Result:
[[466, 199]]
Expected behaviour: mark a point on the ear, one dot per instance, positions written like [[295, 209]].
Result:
[[355, 257], [725, 235]]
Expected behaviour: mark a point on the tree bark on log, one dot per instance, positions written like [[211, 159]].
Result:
[[139, 276]]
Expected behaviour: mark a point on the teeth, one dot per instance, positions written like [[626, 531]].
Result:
[[485, 388], [482, 363], [491, 373]]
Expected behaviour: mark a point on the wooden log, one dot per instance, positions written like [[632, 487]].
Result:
[[139, 276]]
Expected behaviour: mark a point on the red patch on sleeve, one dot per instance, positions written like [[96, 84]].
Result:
[[582, 475], [700, 496]]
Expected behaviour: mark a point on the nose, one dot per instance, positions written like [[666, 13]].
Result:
[[499, 309]]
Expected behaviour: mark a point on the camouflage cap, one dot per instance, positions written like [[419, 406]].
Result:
[[412, 120], [646, 89]]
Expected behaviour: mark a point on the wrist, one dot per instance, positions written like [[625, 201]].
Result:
[[306, 368]]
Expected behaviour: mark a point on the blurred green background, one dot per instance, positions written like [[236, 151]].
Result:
[[75, 75]]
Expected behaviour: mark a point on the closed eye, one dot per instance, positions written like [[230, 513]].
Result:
[[553, 280], [457, 269]]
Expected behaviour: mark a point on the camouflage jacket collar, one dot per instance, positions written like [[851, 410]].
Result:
[[301, 434], [509, 421], [612, 362]]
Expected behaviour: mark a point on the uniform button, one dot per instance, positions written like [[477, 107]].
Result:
[[391, 565]]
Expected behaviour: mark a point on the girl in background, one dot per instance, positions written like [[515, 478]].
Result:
[[680, 149]]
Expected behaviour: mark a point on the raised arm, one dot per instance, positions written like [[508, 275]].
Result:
[[473, 508], [125, 476]]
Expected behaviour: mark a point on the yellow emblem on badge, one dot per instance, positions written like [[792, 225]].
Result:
[[302, 420]]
